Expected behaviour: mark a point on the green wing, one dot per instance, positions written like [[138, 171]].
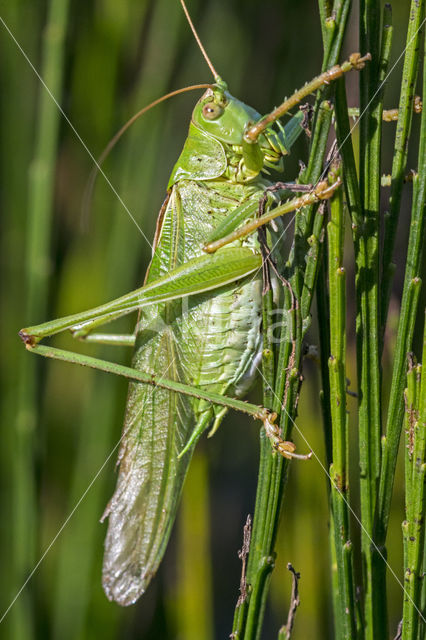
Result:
[[157, 426], [208, 339]]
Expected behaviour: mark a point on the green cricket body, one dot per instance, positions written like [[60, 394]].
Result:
[[197, 339], [210, 340]]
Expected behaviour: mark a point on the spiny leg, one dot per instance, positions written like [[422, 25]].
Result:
[[322, 191], [284, 448], [272, 430], [254, 206], [195, 276], [355, 61]]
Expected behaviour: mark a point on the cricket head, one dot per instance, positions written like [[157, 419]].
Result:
[[226, 119], [222, 116]]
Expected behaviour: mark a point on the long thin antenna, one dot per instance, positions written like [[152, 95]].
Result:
[[87, 198], [203, 51]]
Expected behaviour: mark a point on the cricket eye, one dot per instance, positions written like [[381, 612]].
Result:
[[211, 111]]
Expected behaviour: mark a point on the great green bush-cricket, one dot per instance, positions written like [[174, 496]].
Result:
[[198, 334]]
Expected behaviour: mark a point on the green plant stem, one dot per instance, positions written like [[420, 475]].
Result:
[[40, 207], [339, 473], [403, 127], [272, 471], [324, 341], [366, 241], [333, 21], [139, 376], [194, 599], [272, 468], [249, 613], [407, 317], [313, 259], [415, 498], [422, 630], [333, 24], [323, 307], [261, 563], [350, 173]]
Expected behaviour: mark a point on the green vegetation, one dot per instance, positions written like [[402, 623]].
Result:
[[355, 267]]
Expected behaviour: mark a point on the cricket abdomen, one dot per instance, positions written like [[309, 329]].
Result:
[[219, 332]]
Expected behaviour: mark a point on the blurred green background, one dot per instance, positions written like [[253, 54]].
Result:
[[60, 424]]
